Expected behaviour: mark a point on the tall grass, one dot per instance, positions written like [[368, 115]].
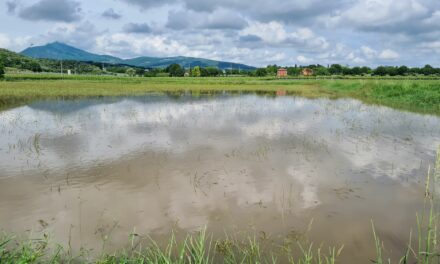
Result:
[[195, 249], [426, 247]]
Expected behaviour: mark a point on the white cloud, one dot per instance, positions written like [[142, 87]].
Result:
[[302, 59], [433, 46], [121, 43], [389, 55], [368, 52], [370, 13], [272, 32], [81, 35], [275, 33], [10, 43], [254, 32]]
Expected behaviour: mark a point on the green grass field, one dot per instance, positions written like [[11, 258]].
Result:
[[422, 96]]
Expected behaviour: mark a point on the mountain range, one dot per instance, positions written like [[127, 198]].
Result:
[[61, 51]]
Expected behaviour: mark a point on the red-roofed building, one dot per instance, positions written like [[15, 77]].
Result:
[[282, 72]]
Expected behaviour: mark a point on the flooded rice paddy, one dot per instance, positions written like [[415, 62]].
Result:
[[90, 172]]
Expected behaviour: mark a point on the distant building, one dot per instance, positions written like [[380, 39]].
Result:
[[307, 72], [282, 72]]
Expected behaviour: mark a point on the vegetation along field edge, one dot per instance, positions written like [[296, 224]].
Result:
[[421, 96]]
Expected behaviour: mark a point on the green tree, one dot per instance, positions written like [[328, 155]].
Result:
[[356, 71], [365, 70], [381, 71], [2, 71], [414, 71], [321, 71], [130, 71], [261, 72], [196, 72], [213, 71], [391, 71], [140, 72], [346, 71], [272, 69], [335, 69], [204, 72], [293, 71], [402, 70], [151, 73], [427, 70], [175, 70]]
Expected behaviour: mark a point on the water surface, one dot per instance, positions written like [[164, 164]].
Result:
[[86, 169]]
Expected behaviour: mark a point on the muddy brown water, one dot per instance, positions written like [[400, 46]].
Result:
[[86, 169]]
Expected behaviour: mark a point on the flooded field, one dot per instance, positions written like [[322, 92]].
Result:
[[90, 172]]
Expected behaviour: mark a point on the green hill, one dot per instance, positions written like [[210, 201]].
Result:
[[14, 60], [61, 51]]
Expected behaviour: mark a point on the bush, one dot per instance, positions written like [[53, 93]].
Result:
[[261, 72], [2, 71], [175, 70], [196, 72]]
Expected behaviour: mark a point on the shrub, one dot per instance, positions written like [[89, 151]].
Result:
[[2, 71]]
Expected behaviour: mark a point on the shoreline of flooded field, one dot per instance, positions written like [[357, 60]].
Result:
[[87, 169]]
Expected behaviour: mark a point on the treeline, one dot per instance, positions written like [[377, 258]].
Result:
[[337, 69], [176, 70]]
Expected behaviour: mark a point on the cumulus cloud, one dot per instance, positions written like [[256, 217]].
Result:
[[275, 33], [122, 43], [52, 10], [433, 46], [388, 55], [368, 52], [81, 35], [255, 32], [291, 11], [8, 42], [111, 14], [392, 16], [302, 59]]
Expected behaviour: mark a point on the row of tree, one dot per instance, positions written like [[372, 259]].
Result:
[[176, 70], [337, 69]]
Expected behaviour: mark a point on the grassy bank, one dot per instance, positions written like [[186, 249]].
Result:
[[421, 96], [197, 248]]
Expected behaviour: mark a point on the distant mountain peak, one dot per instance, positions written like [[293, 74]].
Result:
[[61, 51]]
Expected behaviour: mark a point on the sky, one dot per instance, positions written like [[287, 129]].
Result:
[[254, 32]]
